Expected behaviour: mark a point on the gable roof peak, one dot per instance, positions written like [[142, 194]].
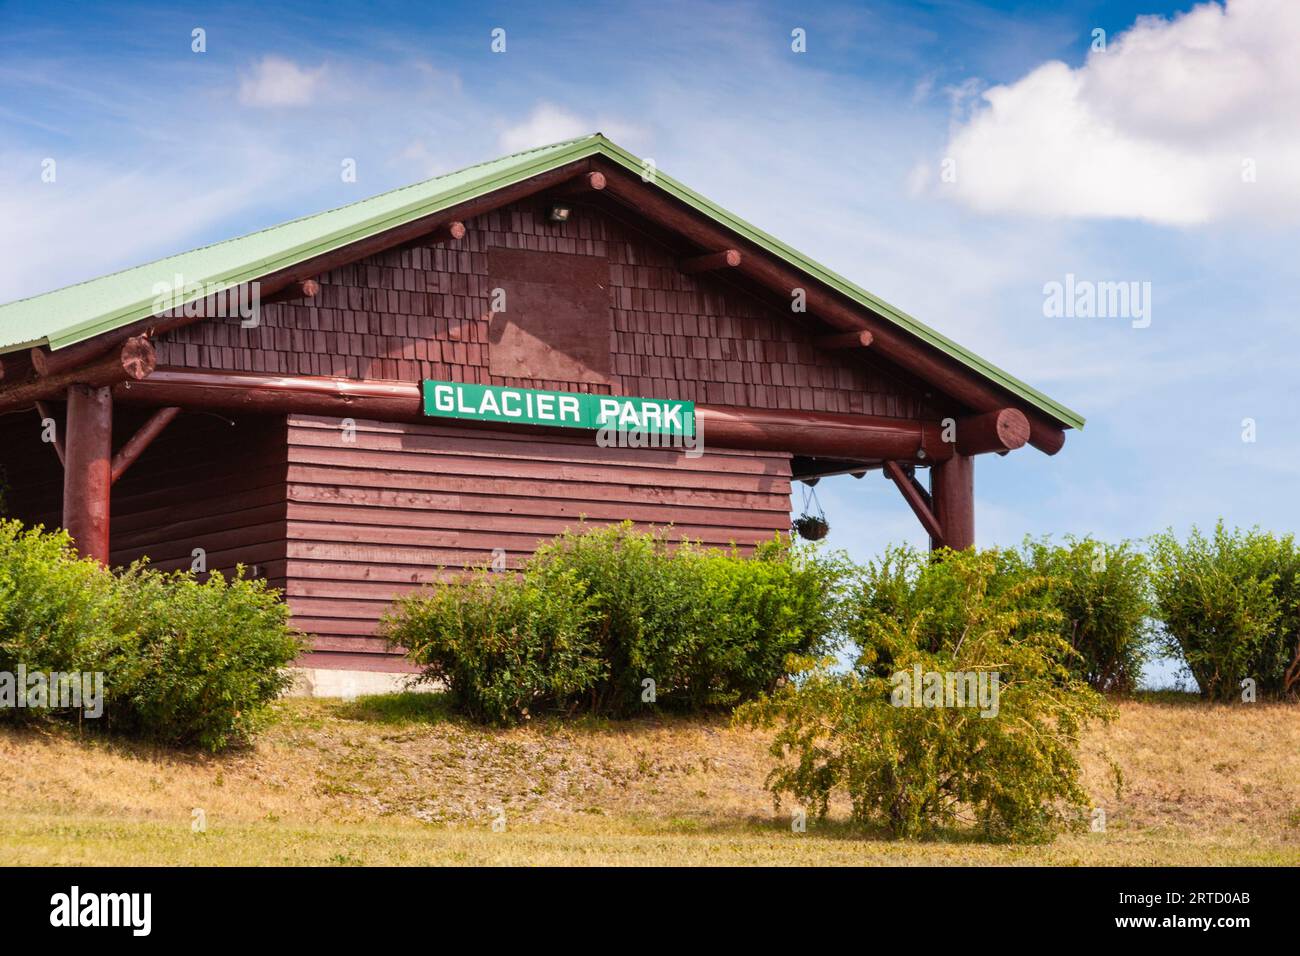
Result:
[[85, 310]]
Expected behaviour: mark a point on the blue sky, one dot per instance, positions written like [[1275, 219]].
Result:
[[1122, 165]]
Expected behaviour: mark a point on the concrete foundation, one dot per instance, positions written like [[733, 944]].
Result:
[[324, 682]]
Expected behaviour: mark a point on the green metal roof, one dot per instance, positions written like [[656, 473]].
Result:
[[82, 311]]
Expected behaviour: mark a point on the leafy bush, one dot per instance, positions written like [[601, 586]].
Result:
[[710, 628], [761, 610], [504, 646], [182, 662], [1230, 607], [56, 612], [1102, 592], [198, 662], [913, 769]]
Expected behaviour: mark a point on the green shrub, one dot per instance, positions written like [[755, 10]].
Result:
[[182, 662], [56, 611], [504, 645], [1229, 605], [760, 610], [646, 605], [1102, 592], [709, 627], [598, 612], [198, 662], [914, 769]]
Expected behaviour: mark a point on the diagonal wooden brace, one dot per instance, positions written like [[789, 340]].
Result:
[[135, 445], [918, 499]]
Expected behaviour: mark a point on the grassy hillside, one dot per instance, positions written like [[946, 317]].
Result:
[[395, 780]]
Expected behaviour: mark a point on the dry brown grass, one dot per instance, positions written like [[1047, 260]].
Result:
[[395, 780]]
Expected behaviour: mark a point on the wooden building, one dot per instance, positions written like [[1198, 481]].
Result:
[[352, 401]]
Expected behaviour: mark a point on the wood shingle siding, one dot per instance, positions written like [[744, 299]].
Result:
[[424, 311]]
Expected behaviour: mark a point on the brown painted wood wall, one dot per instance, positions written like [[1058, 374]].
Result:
[[378, 516], [424, 312], [203, 483], [32, 475]]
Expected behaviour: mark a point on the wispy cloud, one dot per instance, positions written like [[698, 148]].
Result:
[[276, 82]]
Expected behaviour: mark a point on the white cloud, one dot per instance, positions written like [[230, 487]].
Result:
[[1167, 125], [275, 81], [548, 124]]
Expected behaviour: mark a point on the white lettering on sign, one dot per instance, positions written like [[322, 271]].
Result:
[[526, 405]]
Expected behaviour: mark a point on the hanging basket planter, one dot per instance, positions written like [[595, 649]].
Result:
[[812, 524], [811, 527]]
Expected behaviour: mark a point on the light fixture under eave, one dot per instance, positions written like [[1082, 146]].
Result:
[[558, 212]]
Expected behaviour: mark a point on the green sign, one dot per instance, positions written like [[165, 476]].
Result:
[[530, 406]]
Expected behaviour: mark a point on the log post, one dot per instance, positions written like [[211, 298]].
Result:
[[952, 489], [87, 475]]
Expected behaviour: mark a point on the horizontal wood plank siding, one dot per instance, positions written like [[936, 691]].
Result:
[[206, 482], [375, 513]]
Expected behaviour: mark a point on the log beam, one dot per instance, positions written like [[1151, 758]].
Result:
[[710, 262], [453, 231], [87, 475], [845, 340], [918, 502], [945, 373], [952, 488], [821, 434], [132, 360], [135, 445], [817, 434], [302, 289], [15, 367], [580, 186], [999, 431]]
